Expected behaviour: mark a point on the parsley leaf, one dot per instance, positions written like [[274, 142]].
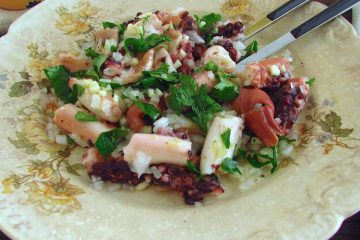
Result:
[[194, 101], [207, 23], [107, 142], [59, 78], [148, 109], [69, 140], [311, 81], [230, 166], [90, 52], [135, 46], [113, 85], [253, 158], [250, 49], [225, 137], [225, 90], [192, 168], [85, 117], [94, 71], [159, 78], [120, 26]]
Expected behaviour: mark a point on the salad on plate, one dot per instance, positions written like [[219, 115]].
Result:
[[157, 101]]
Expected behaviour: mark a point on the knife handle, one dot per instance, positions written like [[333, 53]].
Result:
[[284, 9], [325, 16]]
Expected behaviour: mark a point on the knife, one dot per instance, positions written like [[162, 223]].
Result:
[[274, 16], [318, 20]]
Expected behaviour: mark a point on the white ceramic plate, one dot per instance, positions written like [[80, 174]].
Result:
[[43, 198]]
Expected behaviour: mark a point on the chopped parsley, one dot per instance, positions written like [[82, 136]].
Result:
[[69, 140], [134, 46], [311, 81], [250, 49], [121, 27], [207, 25], [95, 68], [193, 101], [225, 137], [59, 78], [90, 52], [159, 78], [85, 117], [192, 168], [107, 142], [253, 158], [113, 85], [230, 166], [148, 109], [225, 90]]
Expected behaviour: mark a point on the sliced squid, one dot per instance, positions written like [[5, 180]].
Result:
[[205, 78], [134, 74], [158, 149], [74, 64], [65, 118], [260, 74], [220, 57], [214, 150], [103, 106]]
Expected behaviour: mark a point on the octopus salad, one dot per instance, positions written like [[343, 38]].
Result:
[[157, 101]]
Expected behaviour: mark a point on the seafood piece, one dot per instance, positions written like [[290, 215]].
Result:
[[161, 149], [214, 150], [220, 57], [180, 179], [134, 74], [205, 78], [74, 64], [103, 106], [65, 118], [106, 34], [135, 118], [259, 111], [90, 157], [261, 74], [153, 25], [289, 100], [162, 56]]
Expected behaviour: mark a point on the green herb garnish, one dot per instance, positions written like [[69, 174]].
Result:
[[250, 49], [311, 81], [253, 158], [90, 52], [59, 78], [148, 109], [69, 140], [193, 101], [159, 78], [207, 23], [121, 27], [85, 117], [225, 90], [94, 71], [192, 168], [225, 137], [107, 142], [230, 166], [134, 46]]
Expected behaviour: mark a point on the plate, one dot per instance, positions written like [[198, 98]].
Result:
[[46, 194]]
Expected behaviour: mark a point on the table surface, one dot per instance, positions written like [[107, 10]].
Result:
[[350, 229]]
